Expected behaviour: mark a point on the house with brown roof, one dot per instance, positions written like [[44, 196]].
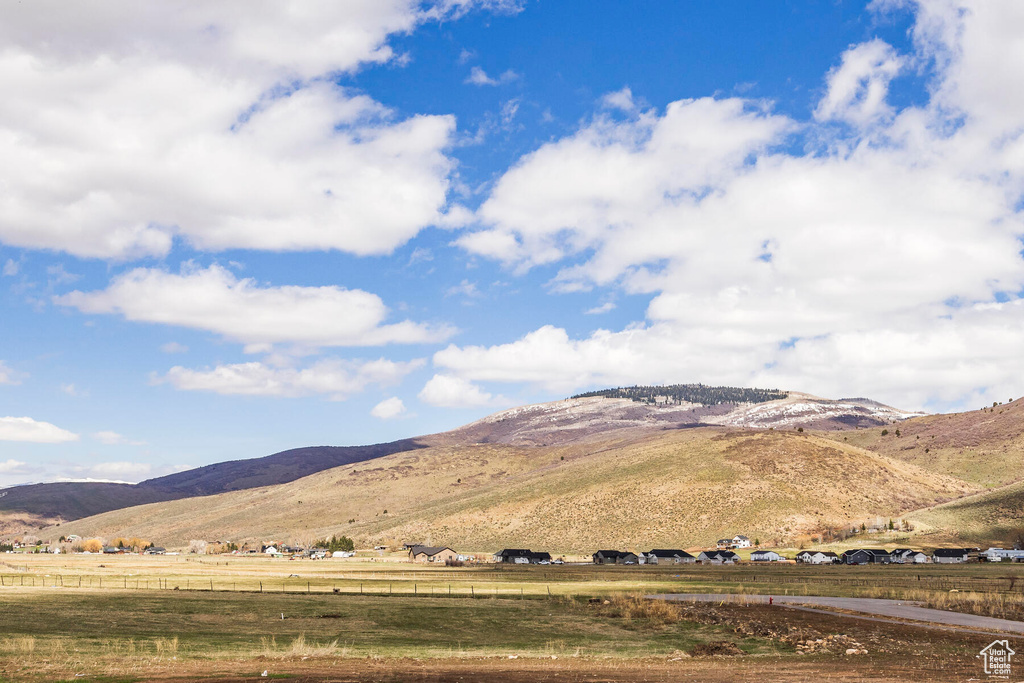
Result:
[[426, 553]]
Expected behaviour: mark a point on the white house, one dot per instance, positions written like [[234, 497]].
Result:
[[740, 541], [817, 557], [765, 556], [999, 555]]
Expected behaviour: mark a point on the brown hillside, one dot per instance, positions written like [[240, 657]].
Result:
[[992, 518], [981, 446], [668, 489]]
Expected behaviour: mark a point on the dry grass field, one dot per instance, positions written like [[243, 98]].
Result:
[[155, 618], [679, 488]]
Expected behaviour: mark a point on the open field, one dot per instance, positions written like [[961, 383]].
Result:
[[156, 618]]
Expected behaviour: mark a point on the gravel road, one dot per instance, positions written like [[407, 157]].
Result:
[[893, 609]]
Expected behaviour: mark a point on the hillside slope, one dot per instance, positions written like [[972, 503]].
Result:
[[74, 500], [981, 446], [666, 488], [992, 518], [546, 424]]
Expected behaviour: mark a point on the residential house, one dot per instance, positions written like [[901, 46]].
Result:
[[740, 541], [866, 556], [1000, 555], [665, 556], [513, 556], [425, 553], [817, 557], [154, 550], [908, 556], [718, 557], [765, 556], [950, 555], [724, 543], [615, 557]]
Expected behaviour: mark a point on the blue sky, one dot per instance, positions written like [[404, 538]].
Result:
[[230, 230]]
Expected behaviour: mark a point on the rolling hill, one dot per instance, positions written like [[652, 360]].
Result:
[[38, 504], [614, 471], [668, 488], [544, 424]]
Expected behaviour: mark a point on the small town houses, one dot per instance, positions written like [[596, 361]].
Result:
[[718, 557], [522, 556], [737, 541], [817, 557], [765, 556], [427, 554], [663, 556]]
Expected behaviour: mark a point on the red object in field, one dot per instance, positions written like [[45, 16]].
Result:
[[770, 599]]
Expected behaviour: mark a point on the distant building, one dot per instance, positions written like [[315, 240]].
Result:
[[908, 556], [740, 541], [765, 556], [817, 557], [950, 555], [667, 556], [615, 557], [718, 557], [866, 556], [424, 553], [999, 555]]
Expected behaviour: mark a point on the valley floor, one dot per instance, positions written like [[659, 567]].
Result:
[[157, 619]]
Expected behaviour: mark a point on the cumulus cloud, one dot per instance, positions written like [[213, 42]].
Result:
[[448, 391], [213, 299], [216, 122], [871, 261], [335, 378], [389, 409], [27, 429], [858, 87]]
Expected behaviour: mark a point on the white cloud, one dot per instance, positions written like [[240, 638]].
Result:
[[465, 288], [7, 376], [478, 76], [389, 408], [11, 268], [110, 438], [27, 429], [218, 122], [241, 310], [338, 379], [858, 87], [11, 466], [621, 100], [72, 390], [603, 308], [784, 265], [447, 391], [174, 347]]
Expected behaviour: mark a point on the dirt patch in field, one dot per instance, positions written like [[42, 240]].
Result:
[[715, 669]]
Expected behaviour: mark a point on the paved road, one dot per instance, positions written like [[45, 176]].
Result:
[[894, 609]]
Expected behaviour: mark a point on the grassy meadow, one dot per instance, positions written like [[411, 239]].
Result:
[[130, 618]]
